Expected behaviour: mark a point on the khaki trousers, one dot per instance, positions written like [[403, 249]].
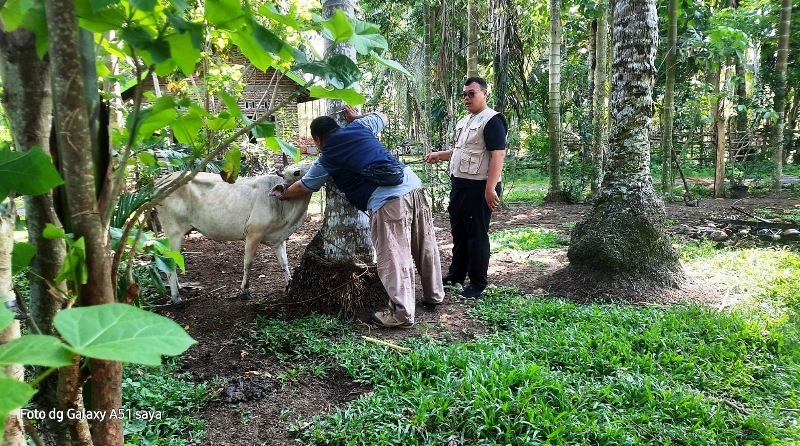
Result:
[[403, 236]]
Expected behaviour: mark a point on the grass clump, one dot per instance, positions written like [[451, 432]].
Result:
[[553, 372], [525, 239], [525, 195], [161, 406], [309, 337]]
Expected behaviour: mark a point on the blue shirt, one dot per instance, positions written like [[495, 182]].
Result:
[[349, 146]]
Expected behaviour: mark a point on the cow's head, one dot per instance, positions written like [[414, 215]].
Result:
[[294, 172]]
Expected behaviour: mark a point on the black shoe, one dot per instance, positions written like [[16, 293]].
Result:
[[471, 293], [430, 305], [449, 281]]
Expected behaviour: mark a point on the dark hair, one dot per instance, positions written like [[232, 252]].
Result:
[[477, 79], [321, 126]]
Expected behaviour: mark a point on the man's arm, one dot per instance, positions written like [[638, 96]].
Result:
[[495, 168], [435, 157], [295, 190], [312, 181]]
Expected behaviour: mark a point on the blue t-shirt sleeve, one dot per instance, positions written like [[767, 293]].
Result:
[[372, 121], [316, 176], [494, 134]]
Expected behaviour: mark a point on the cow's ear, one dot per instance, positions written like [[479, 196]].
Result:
[[278, 190]]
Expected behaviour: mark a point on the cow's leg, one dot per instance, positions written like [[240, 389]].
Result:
[[175, 240], [251, 243], [283, 260]]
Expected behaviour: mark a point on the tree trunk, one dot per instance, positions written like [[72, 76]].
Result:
[[472, 38], [620, 250], [668, 110], [28, 105], [780, 93], [14, 434], [337, 272], [555, 194], [75, 143], [718, 126], [600, 101]]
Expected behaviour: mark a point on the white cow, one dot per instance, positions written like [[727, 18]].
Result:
[[245, 210]]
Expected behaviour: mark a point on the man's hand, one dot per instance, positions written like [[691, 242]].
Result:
[[278, 191], [435, 157], [492, 200], [350, 114]]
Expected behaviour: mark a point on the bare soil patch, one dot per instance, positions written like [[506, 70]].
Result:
[[251, 407]]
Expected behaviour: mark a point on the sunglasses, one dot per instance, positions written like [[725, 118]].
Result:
[[469, 94]]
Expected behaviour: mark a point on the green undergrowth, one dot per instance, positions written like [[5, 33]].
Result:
[[552, 372], [525, 239], [160, 406]]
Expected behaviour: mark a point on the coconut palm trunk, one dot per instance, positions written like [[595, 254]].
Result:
[[780, 93], [668, 110], [620, 251], [600, 100], [555, 194], [337, 273]]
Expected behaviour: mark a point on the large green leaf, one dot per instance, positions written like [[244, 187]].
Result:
[[119, 332], [184, 52], [186, 128], [349, 95], [27, 173], [21, 256], [43, 350], [288, 20], [339, 71], [226, 14], [277, 144], [338, 28], [367, 37], [263, 130], [232, 104], [157, 117], [233, 164], [251, 49], [144, 5], [13, 395], [391, 64]]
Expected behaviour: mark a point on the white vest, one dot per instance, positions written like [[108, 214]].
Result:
[[470, 158]]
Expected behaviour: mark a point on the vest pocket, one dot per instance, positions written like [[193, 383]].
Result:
[[470, 161]]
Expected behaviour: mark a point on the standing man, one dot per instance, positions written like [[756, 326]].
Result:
[[401, 221], [476, 162]]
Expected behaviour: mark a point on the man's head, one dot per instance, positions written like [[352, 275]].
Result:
[[474, 94], [321, 127]]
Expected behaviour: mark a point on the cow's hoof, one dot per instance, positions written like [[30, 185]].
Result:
[[245, 295], [179, 305]]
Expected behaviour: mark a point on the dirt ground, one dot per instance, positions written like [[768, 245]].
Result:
[[219, 321]]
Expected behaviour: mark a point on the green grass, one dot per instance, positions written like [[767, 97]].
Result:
[[525, 195], [170, 399], [552, 372], [525, 239], [764, 278], [789, 216], [556, 373]]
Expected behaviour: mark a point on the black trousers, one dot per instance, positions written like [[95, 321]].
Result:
[[469, 225]]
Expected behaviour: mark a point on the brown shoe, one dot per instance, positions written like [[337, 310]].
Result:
[[387, 319]]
